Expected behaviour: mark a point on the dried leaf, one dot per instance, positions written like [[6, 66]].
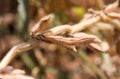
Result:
[[41, 25], [99, 47], [84, 40], [77, 39], [95, 47], [85, 35], [114, 15], [111, 9]]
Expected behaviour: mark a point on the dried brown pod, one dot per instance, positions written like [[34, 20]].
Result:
[[77, 39], [95, 47], [85, 35], [70, 40], [41, 25], [111, 9]]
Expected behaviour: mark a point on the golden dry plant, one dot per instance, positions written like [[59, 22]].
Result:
[[70, 36]]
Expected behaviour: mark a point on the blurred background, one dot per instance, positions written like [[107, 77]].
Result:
[[49, 61]]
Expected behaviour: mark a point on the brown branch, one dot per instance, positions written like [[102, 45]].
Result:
[[16, 50]]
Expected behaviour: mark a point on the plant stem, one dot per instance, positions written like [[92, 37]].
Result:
[[86, 60]]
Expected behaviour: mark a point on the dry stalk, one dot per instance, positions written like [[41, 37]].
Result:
[[51, 36], [85, 59], [16, 50], [58, 29]]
